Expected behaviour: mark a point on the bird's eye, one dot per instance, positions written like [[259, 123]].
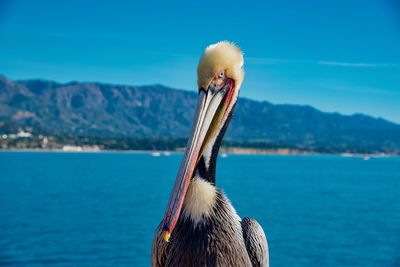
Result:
[[221, 74]]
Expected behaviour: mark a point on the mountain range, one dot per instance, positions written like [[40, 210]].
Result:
[[156, 111]]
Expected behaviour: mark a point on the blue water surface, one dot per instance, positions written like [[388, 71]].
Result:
[[101, 209]]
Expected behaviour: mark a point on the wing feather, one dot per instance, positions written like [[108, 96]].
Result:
[[256, 242]]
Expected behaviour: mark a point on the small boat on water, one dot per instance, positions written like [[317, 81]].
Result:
[[347, 155], [156, 154]]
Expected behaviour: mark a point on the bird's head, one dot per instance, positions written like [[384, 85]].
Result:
[[220, 75], [220, 63]]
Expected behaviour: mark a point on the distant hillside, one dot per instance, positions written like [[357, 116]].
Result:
[[120, 111]]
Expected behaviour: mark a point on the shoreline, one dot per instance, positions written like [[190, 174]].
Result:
[[223, 153]]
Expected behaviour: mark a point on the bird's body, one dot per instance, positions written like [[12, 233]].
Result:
[[206, 243], [201, 227]]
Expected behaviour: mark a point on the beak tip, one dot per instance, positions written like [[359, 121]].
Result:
[[165, 236]]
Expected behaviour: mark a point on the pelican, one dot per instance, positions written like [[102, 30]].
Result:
[[200, 226]]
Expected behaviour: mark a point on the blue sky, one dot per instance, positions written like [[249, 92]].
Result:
[[335, 55]]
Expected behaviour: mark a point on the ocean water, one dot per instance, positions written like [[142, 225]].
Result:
[[101, 209]]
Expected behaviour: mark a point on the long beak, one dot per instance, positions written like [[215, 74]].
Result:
[[211, 110]]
